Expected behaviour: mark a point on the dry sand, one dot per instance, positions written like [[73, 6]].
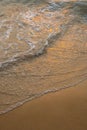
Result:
[[63, 110]]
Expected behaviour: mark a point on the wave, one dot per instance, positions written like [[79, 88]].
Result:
[[27, 99], [57, 28], [22, 36]]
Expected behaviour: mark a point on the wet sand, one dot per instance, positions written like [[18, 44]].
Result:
[[63, 110], [62, 67], [58, 59]]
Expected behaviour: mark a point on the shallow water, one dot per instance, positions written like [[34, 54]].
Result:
[[43, 48]]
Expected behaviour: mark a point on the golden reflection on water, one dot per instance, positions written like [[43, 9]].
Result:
[[63, 63]]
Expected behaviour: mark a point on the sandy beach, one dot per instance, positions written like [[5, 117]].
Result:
[[43, 65], [63, 110]]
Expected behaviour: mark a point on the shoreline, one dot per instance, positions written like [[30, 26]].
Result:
[[27, 100], [64, 64], [48, 92], [63, 110]]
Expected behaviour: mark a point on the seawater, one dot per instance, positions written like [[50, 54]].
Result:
[[43, 48]]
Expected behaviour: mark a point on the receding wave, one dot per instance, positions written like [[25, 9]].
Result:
[[58, 30]]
